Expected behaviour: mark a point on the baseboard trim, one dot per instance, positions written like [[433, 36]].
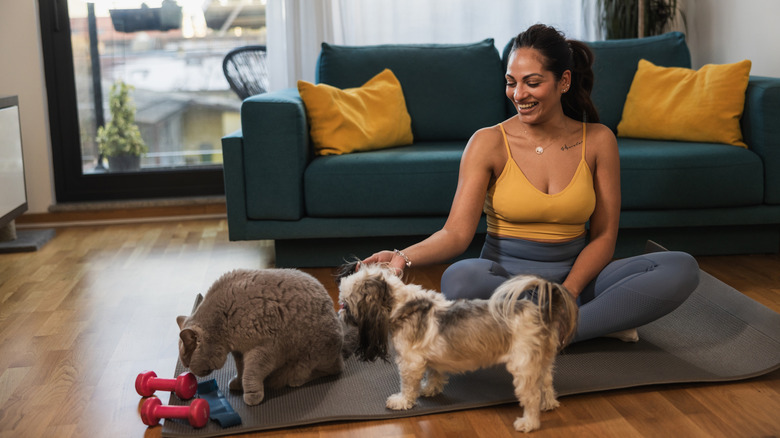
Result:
[[103, 213]]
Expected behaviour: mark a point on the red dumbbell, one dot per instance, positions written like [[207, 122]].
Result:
[[185, 386], [196, 413]]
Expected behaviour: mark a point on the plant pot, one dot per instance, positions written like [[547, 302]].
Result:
[[124, 163]]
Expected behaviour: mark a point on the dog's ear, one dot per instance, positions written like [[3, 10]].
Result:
[[346, 270], [373, 319], [350, 335]]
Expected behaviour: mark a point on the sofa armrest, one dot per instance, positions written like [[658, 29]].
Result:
[[235, 188], [276, 151], [761, 130]]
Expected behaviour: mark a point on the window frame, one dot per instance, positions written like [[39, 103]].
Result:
[[70, 183]]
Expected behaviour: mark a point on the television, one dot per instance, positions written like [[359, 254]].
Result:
[[13, 193]]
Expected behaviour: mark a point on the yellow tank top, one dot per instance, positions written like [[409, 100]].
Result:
[[516, 208]]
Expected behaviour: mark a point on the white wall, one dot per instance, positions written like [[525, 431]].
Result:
[[719, 31], [727, 31], [21, 74]]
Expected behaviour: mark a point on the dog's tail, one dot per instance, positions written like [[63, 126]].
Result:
[[557, 309]]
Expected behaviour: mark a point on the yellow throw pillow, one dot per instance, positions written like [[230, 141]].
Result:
[[369, 117], [672, 103]]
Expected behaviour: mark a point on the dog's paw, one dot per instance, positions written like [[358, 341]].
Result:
[[523, 424], [398, 402], [235, 384], [431, 389], [548, 404], [254, 398]]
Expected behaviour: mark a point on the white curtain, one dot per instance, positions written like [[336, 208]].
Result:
[[296, 31], [297, 28]]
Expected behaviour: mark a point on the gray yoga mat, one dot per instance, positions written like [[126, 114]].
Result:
[[718, 334]]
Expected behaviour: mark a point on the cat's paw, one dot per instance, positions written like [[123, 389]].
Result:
[[398, 402], [235, 384], [254, 398], [297, 383]]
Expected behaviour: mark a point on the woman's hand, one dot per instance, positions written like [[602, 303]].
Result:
[[391, 258]]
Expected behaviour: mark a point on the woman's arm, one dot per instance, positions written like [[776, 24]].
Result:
[[606, 216], [477, 167]]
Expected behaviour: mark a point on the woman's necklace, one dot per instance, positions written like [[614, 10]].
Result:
[[539, 148]]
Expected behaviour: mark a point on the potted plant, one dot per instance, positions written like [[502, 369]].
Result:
[[620, 18], [120, 139]]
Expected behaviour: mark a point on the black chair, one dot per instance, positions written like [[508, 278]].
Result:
[[246, 70]]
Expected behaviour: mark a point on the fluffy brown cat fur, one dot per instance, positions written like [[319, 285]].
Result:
[[279, 324]]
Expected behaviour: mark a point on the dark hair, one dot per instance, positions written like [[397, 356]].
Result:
[[560, 55]]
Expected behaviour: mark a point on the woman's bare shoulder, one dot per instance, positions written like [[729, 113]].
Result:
[[486, 140], [488, 134], [599, 129], [486, 147], [601, 137]]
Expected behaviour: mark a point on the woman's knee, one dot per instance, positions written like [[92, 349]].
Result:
[[681, 273], [472, 278], [689, 272]]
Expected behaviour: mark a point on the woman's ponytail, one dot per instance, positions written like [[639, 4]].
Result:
[[576, 102]]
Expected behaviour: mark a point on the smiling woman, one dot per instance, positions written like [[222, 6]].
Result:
[[539, 200], [536, 61]]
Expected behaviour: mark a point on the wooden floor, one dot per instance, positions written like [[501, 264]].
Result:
[[80, 318]]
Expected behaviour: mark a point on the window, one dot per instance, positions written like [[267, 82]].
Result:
[[169, 53]]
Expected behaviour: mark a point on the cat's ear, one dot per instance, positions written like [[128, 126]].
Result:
[[189, 341], [180, 320]]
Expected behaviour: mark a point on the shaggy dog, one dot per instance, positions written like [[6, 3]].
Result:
[[523, 325]]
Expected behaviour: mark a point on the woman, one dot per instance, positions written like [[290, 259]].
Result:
[[539, 177]]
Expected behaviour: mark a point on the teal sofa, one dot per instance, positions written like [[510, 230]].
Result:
[[319, 210]]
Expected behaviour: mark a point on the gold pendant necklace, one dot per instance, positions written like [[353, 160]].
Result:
[[540, 150]]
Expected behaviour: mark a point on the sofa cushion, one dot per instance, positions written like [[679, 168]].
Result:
[[615, 63], [667, 175], [416, 180], [673, 103], [372, 116], [451, 90]]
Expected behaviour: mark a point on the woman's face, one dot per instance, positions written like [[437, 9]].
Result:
[[534, 91]]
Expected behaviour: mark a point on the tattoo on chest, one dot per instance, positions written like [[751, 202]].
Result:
[[566, 147]]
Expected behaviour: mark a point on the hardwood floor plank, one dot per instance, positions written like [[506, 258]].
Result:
[[684, 400], [10, 380], [586, 415], [80, 318], [753, 401], [646, 410]]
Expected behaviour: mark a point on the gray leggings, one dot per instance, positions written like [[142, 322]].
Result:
[[628, 293]]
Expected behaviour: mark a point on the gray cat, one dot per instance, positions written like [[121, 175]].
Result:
[[279, 324]]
